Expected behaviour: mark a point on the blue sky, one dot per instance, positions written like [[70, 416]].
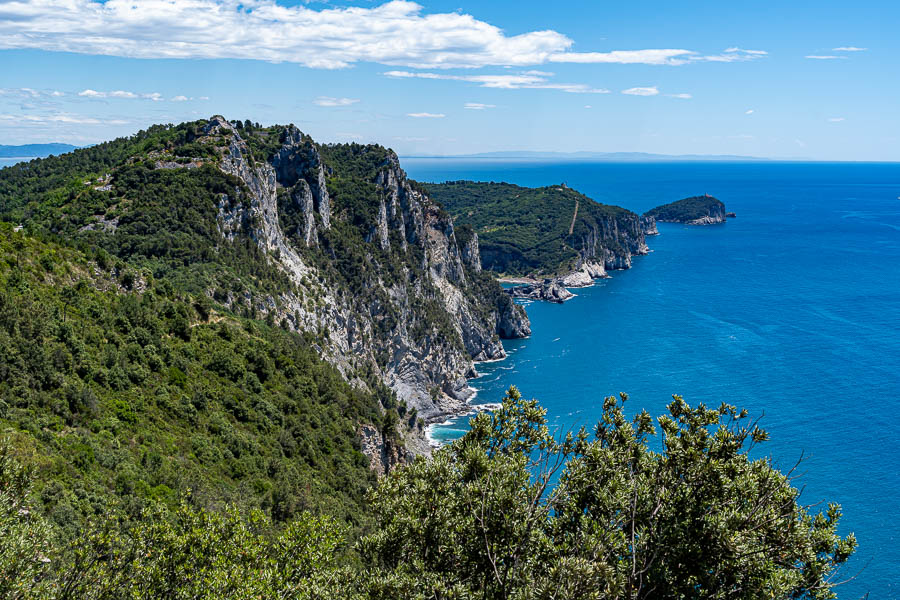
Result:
[[778, 79]]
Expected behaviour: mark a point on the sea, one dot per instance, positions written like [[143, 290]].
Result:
[[6, 162], [791, 310]]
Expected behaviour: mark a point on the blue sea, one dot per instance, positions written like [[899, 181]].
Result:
[[791, 310]]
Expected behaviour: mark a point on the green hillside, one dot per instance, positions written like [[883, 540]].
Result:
[[525, 231], [689, 209], [114, 385]]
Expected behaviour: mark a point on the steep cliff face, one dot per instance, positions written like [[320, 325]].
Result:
[[648, 225], [551, 231], [375, 265], [610, 241]]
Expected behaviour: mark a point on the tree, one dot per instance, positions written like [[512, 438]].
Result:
[[697, 519], [25, 547]]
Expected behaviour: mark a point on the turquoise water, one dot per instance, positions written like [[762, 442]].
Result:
[[792, 310]]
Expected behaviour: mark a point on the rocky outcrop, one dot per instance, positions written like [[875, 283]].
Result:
[[584, 275], [471, 253], [549, 290], [648, 225], [706, 220], [418, 314], [612, 241], [385, 453]]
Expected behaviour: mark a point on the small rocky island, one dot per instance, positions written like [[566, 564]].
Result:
[[696, 210]]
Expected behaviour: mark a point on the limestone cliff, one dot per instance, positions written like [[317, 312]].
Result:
[[375, 267]]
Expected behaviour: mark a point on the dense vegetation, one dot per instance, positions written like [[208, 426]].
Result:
[[523, 230], [510, 511], [688, 209], [118, 387], [159, 440]]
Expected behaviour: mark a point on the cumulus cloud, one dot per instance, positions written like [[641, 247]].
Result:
[[642, 91], [848, 49], [329, 38], [478, 106], [266, 30], [426, 115], [509, 82], [329, 101]]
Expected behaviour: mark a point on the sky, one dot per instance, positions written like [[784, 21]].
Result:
[[799, 79]]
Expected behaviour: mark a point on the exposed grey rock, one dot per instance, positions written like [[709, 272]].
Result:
[[549, 290], [428, 373], [584, 276], [471, 254], [648, 225]]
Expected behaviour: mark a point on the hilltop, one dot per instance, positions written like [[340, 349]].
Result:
[[696, 210], [34, 150], [237, 251], [546, 231]]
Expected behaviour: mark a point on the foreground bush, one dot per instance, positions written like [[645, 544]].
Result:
[[509, 511]]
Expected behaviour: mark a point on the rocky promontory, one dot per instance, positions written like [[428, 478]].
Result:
[[550, 290], [696, 210]]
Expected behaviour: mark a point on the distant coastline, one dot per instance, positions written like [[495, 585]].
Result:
[[604, 156]]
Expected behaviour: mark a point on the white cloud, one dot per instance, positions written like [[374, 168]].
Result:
[[62, 118], [588, 106], [849, 49], [30, 93], [836, 119], [641, 91], [681, 96], [656, 56], [122, 94], [397, 33], [426, 115], [626, 57], [824, 57], [266, 30], [736, 50], [733, 54], [750, 111], [329, 101], [478, 106], [508, 82], [180, 99]]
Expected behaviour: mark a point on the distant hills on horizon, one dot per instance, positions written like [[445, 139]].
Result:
[[585, 155], [34, 150]]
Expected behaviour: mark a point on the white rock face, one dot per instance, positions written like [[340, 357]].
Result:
[[382, 329]]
